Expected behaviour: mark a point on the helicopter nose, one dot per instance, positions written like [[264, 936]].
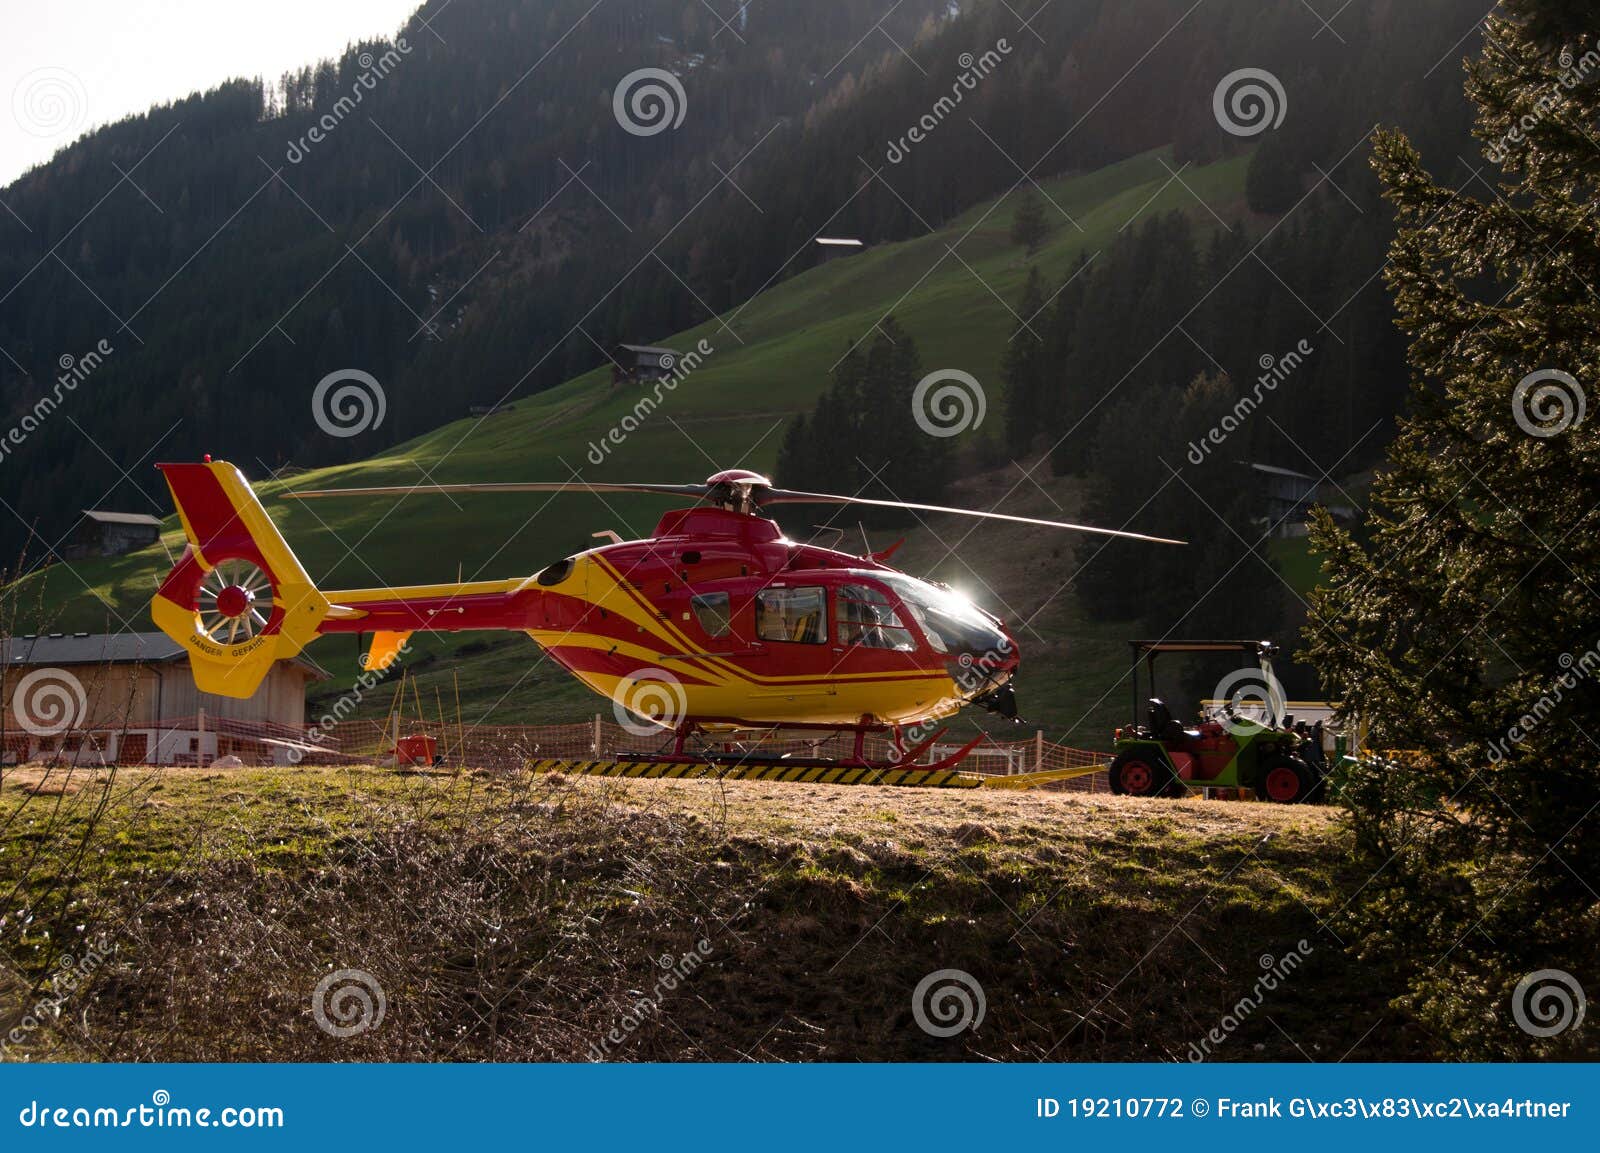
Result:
[[986, 662], [985, 676]]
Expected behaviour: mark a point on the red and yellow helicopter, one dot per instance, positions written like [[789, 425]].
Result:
[[715, 623]]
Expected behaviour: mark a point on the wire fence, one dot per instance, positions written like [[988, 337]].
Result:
[[224, 742]]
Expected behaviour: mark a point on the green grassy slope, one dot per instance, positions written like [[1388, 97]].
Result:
[[772, 358]]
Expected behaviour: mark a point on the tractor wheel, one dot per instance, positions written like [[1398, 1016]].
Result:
[[1288, 781], [1135, 774]]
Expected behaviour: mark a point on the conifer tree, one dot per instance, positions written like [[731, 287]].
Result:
[[1022, 368], [1465, 633], [1029, 226]]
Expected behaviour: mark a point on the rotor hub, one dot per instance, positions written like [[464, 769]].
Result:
[[234, 601], [736, 489]]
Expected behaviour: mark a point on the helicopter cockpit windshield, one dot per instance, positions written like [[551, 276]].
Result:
[[951, 622]]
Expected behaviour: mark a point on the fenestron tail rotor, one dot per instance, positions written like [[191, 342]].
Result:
[[735, 489], [235, 602]]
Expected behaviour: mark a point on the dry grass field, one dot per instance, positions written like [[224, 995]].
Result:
[[192, 915]]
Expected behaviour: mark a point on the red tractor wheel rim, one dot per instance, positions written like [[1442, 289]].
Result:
[[1282, 784], [1137, 777]]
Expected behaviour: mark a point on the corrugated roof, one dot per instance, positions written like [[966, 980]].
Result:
[[90, 649], [651, 349], [105, 517], [108, 649]]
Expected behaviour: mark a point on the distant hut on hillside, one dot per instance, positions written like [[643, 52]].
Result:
[[642, 362], [103, 533]]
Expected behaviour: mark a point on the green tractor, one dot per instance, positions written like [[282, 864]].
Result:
[[1232, 749]]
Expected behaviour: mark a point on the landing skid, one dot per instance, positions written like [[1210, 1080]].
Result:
[[750, 770], [904, 762]]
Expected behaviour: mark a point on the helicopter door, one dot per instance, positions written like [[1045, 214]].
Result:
[[791, 642]]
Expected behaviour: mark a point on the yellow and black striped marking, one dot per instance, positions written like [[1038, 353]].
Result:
[[756, 771]]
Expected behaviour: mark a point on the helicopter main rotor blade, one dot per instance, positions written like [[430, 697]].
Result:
[[788, 496], [695, 490]]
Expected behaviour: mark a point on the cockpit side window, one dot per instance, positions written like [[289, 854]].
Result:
[[711, 610], [866, 618], [797, 615]]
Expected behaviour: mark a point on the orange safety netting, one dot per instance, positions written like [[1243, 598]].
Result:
[[186, 740]]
